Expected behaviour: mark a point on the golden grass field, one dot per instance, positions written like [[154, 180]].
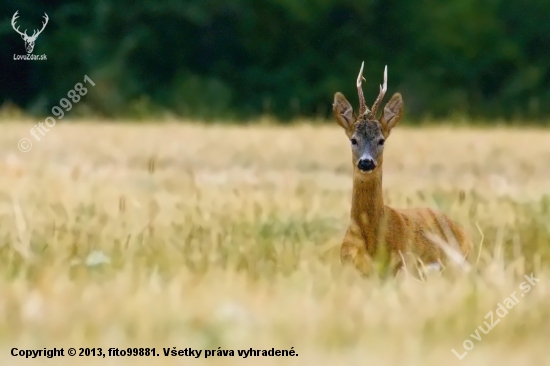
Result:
[[181, 235]]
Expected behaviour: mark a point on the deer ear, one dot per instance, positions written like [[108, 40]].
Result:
[[343, 112], [393, 111]]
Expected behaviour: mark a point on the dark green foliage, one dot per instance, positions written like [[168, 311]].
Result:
[[242, 58]]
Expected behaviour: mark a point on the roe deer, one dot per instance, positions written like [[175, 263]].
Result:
[[372, 224]]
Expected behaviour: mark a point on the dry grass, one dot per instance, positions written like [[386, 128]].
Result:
[[188, 236]]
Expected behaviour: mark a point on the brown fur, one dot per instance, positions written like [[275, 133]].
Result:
[[373, 224]]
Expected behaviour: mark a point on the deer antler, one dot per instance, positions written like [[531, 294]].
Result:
[[43, 26], [383, 89], [15, 16], [362, 105]]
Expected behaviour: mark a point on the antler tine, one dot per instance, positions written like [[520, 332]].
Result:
[[43, 23], [383, 89], [362, 105], [15, 16]]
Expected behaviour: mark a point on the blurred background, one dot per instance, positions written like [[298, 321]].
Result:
[[488, 61]]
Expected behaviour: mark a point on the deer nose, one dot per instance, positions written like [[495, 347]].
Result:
[[366, 164]]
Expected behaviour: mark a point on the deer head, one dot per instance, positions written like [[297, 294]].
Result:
[[29, 40], [366, 132]]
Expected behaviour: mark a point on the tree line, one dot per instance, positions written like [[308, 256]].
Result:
[[239, 59]]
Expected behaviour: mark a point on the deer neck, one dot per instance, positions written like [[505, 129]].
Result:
[[367, 206]]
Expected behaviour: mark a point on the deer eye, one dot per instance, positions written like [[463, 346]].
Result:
[[353, 141], [381, 142]]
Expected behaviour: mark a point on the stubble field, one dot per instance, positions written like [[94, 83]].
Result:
[[180, 235]]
